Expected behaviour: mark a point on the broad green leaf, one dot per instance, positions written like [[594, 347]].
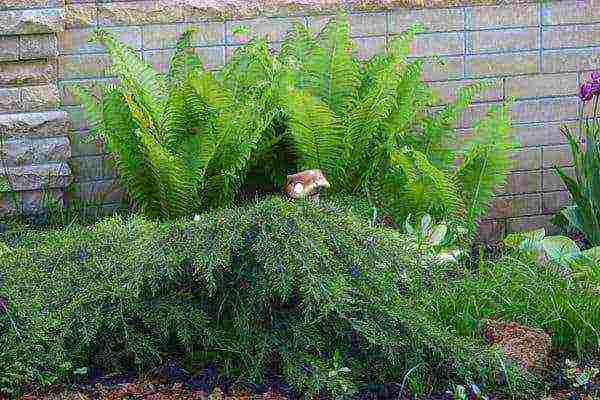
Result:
[[438, 235], [560, 249]]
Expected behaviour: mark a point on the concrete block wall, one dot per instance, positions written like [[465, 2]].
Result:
[[34, 147], [536, 52]]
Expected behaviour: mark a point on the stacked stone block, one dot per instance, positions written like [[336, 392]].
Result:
[[34, 148]]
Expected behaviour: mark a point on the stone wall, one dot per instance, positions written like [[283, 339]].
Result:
[[34, 148], [536, 52]]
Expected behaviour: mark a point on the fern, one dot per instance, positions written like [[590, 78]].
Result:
[[180, 142], [371, 127]]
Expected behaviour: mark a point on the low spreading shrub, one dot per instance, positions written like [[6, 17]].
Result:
[[314, 293]]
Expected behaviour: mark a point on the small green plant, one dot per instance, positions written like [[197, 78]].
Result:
[[559, 250], [438, 238], [584, 213], [460, 392]]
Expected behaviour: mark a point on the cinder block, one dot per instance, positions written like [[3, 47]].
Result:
[[570, 60], [503, 40], [527, 224], [570, 12], [555, 37], [552, 182], [438, 44], [367, 24], [82, 66], [166, 36], [77, 41], [503, 16], [273, 29], [37, 46], [516, 206], [453, 68], [542, 110], [472, 114], [541, 134], [491, 230], [68, 96], [82, 144], [99, 192], [529, 158], [369, 46], [446, 91], [555, 201], [9, 48], [212, 57], [542, 85], [559, 155], [491, 65], [433, 20], [522, 182], [88, 168]]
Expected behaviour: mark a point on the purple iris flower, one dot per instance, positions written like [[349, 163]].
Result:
[[3, 305], [586, 91], [595, 77]]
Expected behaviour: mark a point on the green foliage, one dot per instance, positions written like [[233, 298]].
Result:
[[517, 287], [558, 250], [584, 213], [180, 142], [197, 138], [328, 299], [370, 127]]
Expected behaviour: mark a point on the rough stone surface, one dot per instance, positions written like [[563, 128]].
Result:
[[40, 98], [38, 46], [161, 11], [9, 48], [26, 73], [38, 201], [25, 22], [24, 152], [36, 177], [10, 100], [80, 15], [33, 125]]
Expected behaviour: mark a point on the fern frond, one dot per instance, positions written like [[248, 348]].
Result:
[[318, 137], [331, 68], [486, 161], [184, 60], [137, 76]]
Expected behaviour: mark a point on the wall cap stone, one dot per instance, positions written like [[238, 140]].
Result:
[[26, 22], [139, 12]]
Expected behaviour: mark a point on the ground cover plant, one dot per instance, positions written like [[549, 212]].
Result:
[[321, 296], [201, 138]]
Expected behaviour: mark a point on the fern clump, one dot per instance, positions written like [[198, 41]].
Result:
[[370, 126], [302, 290], [183, 141]]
